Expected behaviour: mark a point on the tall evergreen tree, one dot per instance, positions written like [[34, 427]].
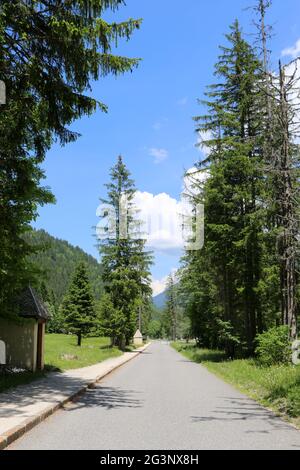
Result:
[[171, 309], [281, 154], [78, 308], [287, 203], [50, 51], [245, 278], [124, 259], [233, 193], [111, 321]]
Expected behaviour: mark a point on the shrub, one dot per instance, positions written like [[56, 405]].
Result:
[[293, 401], [273, 346]]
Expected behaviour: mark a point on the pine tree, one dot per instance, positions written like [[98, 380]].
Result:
[[172, 307], [281, 156], [200, 298], [124, 259], [233, 191], [287, 203], [78, 308], [50, 52], [44, 292], [111, 322], [56, 322], [245, 279]]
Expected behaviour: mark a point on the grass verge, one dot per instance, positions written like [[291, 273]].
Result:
[[62, 353], [276, 387]]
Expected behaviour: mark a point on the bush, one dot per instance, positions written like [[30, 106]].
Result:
[[273, 346], [293, 401]]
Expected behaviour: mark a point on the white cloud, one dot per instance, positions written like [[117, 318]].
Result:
[[192, 178], [293, 51], [202, 137], [159, 285], [159, 154], [161, 218]]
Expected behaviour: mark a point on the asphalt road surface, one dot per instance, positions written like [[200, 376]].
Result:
[[160, 400]]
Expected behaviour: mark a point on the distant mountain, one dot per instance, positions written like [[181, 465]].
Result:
[[160, 300], [58, 259]]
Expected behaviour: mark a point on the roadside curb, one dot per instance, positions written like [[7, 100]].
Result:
[[16, 432]]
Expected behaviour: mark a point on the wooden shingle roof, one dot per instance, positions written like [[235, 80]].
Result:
[[31, 306]]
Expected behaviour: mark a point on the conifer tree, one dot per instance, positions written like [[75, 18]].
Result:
[[245, 279], [287, 202], [281, 154], [111, 322], [78, 308], [124, 259], [172, 307], [234, 215], [50, 52]]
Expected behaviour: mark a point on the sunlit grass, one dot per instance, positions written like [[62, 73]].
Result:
[[57, 349], [277, 387], [92, 351]]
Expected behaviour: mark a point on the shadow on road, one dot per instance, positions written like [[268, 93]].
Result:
[[14, 401], [243, 409], [106, 397]]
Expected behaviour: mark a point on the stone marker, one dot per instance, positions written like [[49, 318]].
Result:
[[138, 338], [2, 353]]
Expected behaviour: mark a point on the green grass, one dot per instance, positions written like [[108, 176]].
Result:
[[92, 351], [277, 387]]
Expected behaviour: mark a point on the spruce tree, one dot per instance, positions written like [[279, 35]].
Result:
[[234, 190], [287, 202], [171, 307], [245, 279], [281, 155], [124, 258], [111, 322], [50, 52], [78, 308]]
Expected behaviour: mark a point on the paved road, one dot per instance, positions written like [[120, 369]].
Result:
[[160, 400]]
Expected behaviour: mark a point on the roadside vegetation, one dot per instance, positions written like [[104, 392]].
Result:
[[62, 353], [276, 386], [244, 280]]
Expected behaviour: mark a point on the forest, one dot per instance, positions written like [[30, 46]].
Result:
[[245, 280], [232, 304], [57, 260]]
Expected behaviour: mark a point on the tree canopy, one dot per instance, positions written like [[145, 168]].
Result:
[[49, 54]]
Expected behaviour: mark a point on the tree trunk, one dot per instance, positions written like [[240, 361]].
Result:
[[79, 338], [287, 212], [122, 343]]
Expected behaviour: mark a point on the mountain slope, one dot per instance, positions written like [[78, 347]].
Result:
[[58, 260], [160, 300]]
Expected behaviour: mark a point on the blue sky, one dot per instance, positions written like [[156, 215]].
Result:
[[150, 111]]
